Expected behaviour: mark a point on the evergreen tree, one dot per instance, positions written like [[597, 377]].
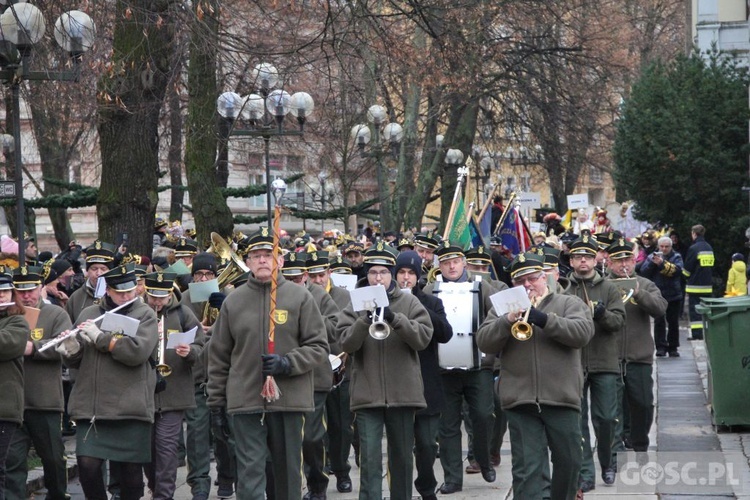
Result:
[[681, 148]]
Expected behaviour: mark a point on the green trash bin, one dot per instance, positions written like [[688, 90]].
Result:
[[726, 329]]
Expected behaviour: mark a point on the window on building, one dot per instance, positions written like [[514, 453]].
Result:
[[595, 175]]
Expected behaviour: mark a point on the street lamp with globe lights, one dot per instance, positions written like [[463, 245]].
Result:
[[22, 25], [392, 133], [263, 114]]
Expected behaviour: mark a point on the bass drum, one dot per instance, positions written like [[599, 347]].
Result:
[[461, 302]]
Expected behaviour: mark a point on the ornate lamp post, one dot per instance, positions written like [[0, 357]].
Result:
[[263, 115], [22, 25], [392, 133]]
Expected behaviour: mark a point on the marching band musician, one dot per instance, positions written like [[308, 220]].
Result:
[[14, 335], [178, 396], [386, 386], [427, 420], [43, 400], [185, 250], [473, 385], [204, 268], [425, 245], [551, 268], [339, 416], [600, 359], [112, 400], [99, 260], [635, 390], [198, 420], [478, 263], [541, 382], [353, 252], [313, 443], [239, 363]]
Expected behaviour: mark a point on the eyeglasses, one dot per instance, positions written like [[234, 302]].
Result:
[[375, 273], [258, 256], [204, 274], [527, 279]]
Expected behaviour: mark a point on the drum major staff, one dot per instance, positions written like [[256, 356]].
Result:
[[542, 380]]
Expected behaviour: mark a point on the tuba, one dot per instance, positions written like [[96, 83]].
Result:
[[234, 269], [164, 369], [379, 329]]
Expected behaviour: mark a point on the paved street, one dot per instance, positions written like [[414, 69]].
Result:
[[682, 425]]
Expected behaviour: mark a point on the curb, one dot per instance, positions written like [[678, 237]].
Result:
[[35, 479]]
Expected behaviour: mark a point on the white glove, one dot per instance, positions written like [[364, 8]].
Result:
[[91, 331], [68, 347]]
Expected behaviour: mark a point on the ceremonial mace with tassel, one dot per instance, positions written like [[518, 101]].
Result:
[[270, 391]]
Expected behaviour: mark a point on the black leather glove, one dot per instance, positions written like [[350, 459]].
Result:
[[388, 315], [599, 310], [537, 317], [220, 423], [273, 364], [216, 299]]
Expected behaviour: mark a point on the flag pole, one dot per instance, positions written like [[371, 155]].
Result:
[[508, 206], [487, 203], [462, 171]]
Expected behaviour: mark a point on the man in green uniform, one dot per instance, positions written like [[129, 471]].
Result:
[[240, 360], [474, 385], [338, 413], [387, 387], [599, 358], [313, 444], [635, 388], [43, 398], [541, 382], [99, 260], [198, 419], [171, 403]]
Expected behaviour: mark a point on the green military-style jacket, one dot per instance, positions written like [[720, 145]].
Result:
[[42, 380], [14, 333]]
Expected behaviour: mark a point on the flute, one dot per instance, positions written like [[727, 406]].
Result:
[[7, 304], [74, 331]]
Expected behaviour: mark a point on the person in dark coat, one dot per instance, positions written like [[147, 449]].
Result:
[[427, 421]]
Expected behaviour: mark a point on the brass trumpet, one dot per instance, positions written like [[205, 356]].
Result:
[[523, 330], [379, 329], [164, 369]]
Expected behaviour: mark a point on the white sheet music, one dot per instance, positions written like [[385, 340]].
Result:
[[512, 299], [176, 338], [369, 297]]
